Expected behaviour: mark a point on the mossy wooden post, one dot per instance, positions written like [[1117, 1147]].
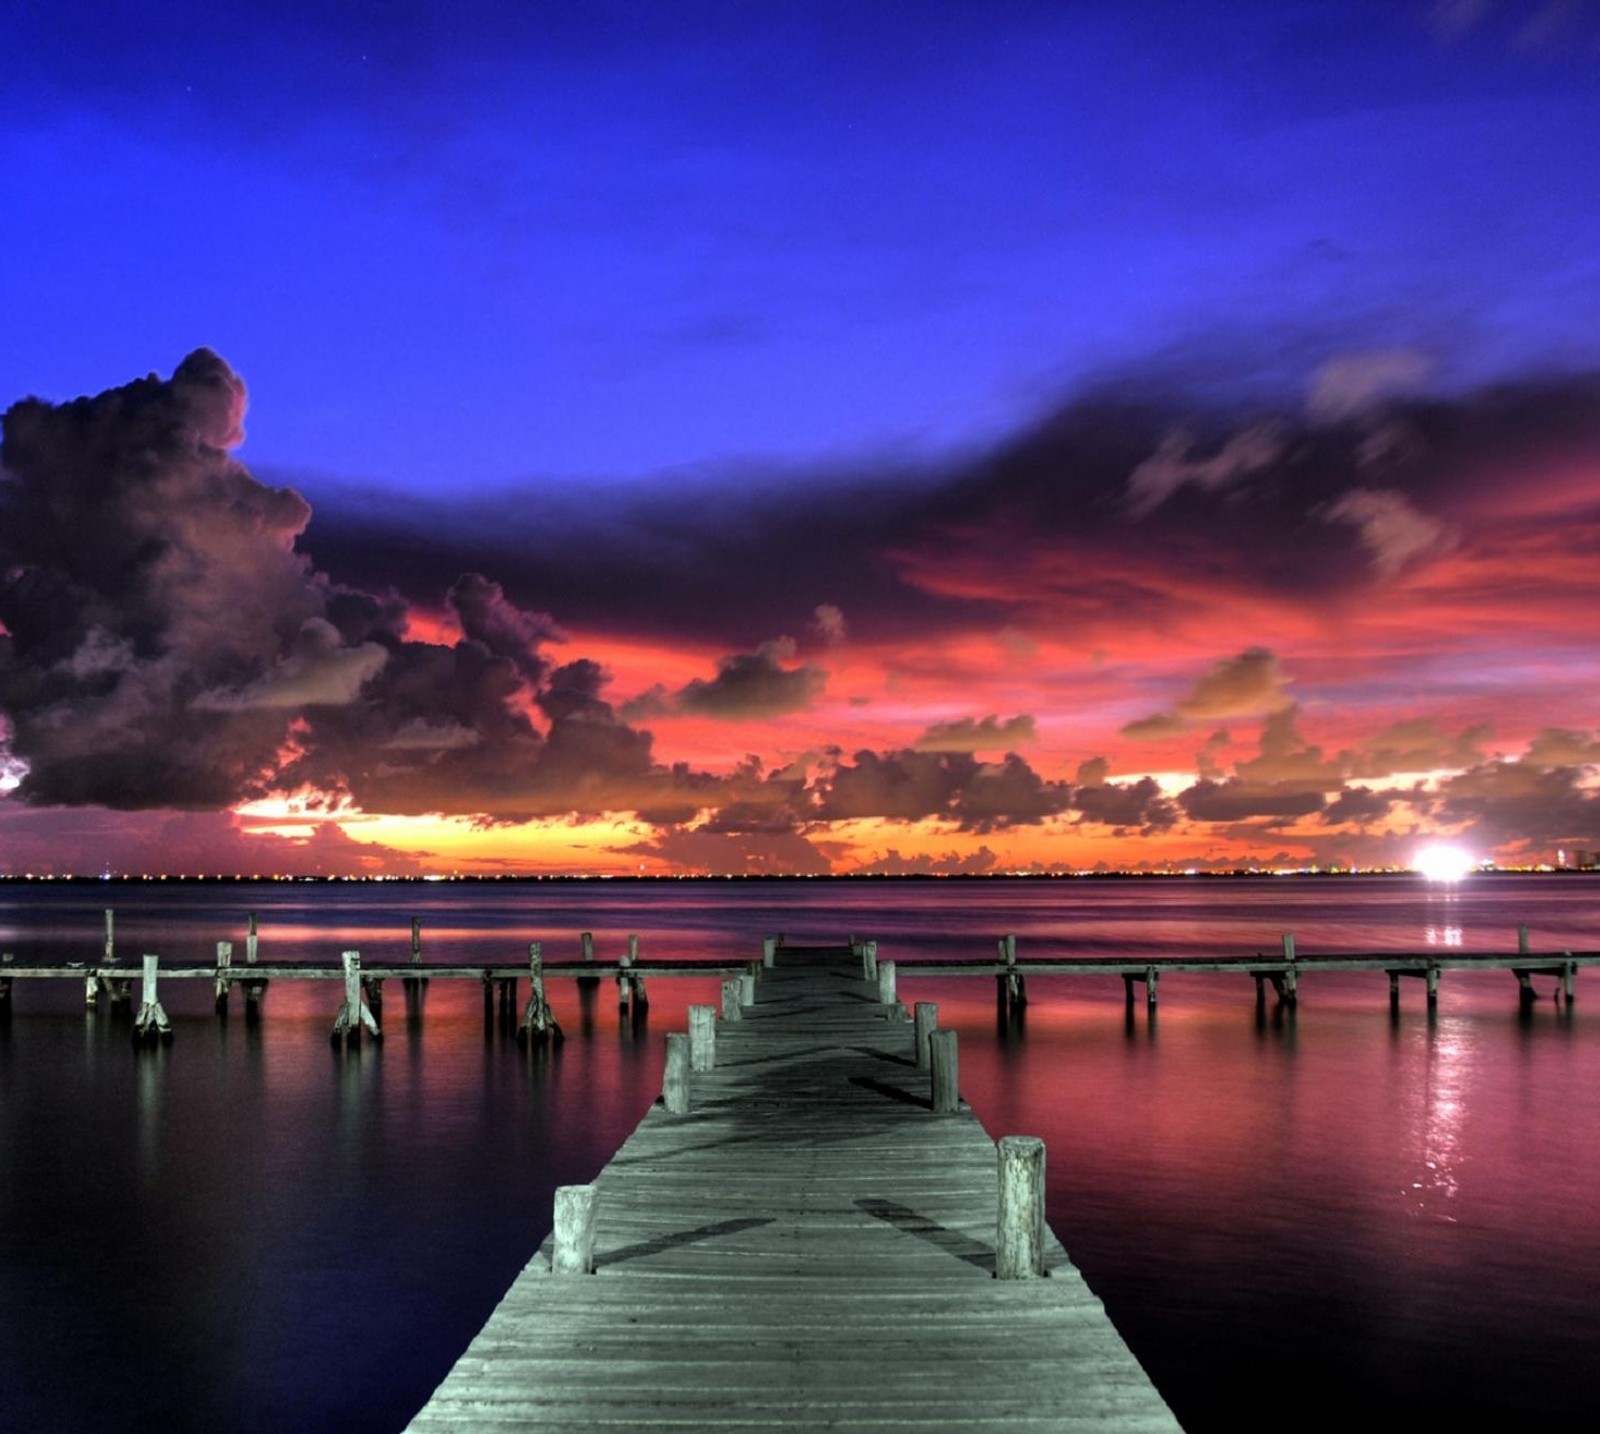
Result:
[[224, 969], [675, 1079], [572, 1244], [925, 1019], [538, 1024], [1019, 1226], [945, 1077], [702, 1038], [733, 999], [151, 1024], [353, 1012]]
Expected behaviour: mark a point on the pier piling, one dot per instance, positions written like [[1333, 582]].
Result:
[[1019, 1225], [573, 1245], [944, 1073], [675, 1078], [151, 1024]]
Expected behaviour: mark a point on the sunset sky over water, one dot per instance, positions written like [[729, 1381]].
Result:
[[798, 437]]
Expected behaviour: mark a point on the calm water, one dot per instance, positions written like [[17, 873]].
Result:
[[1328, 1213]]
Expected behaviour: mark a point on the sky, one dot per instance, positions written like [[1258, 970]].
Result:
[[797, 438]]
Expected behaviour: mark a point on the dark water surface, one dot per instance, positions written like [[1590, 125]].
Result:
[[1326, 1214]]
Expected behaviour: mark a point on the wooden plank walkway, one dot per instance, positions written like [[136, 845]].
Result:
[[810, 1247]]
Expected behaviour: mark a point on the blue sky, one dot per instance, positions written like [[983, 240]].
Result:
[[487, 244]]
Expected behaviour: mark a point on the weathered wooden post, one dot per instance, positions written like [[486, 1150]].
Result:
[[586, 949], [1289, 991], [7, 958], [769, 949], [538, 1024], [886, 983], [1569, 976], [675, 1079], [1152, 978], [416, 940], [1525, 989], [1394, 991], [1433, 986], [1016, 986], [747, 989], [1019, 1227], [869, 959], [151, 1024], [224, 966], [630, 985], [702, 1038], [732, 999], [255, 988], [925, 1019], [945, 1078], [353, 1012], [572, 1245]]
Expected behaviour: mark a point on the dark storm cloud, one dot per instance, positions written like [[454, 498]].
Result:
[[167, 646], [754, 684], [1050, 526], [1127, 806]]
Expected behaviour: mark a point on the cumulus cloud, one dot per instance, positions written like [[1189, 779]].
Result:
[[167, 645], [949, 786], [987, 734], [1394, 531], [829, 624], [951, 863], [1248, 684], [755, 684]]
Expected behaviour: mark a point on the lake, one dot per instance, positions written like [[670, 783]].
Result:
[[1327, 1212]]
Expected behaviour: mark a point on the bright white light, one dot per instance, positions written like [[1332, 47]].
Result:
[[1443, 863]]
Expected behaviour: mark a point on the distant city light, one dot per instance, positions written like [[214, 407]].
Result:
[[1443, 863]]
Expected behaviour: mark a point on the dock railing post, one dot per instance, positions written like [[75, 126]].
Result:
[[925, 1019], [224, 968], [151, 1024], [945, 1077], [702, 1038], [1019, 1226], [675, 1078], [572, 1244]]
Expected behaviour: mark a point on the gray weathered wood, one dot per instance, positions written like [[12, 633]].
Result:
[[886, 982], [572, 1242], [804, 1250], [675, 1078], [925, 1019], [945, 1079], [151, 1024], [732, 999], [1019, 1222], [702, 1038]]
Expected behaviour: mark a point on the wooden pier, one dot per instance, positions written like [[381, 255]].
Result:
[[808, 1230]]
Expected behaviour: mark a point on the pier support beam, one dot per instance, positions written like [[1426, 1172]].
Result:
[[1019, 1225], [945, 1078], [538, 1024], [675, 1078], [572, 1246], [353, 1011], [151, 1024], [702, 1038]]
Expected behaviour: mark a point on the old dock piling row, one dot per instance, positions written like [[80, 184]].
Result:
[[109, 976], [802, 1245]]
